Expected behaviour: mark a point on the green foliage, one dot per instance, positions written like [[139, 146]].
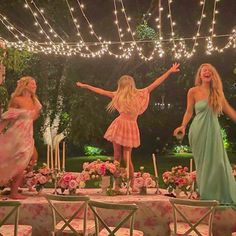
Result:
[[144, 31], [182, 149], [225, 139], [3, 97], [16, 60], [92, 151]]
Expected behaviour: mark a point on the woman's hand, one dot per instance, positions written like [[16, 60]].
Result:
[[174, 68], [81, 85], [178, 130]]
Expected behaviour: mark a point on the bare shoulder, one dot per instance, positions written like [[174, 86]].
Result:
[[15, 102], [192, 91]]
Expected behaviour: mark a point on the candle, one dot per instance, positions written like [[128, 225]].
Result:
[[48, 151], [154, 164], [63, 155], [51, 149], [58, 156], [56, 159], [191, 165]]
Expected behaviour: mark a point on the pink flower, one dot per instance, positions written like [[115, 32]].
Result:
[[73, 184], [44, 171], [85, 165], [31, 182], [146, 175], [148, 182], [42, 179], [63, 184], [139, 182], [67, 177]]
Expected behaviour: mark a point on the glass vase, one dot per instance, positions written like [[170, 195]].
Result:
[[143, 191]]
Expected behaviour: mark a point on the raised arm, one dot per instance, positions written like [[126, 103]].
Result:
[[188, 113], [228, 110], [159, 80], [95, 89]]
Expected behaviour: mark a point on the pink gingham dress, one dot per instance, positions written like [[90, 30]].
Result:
[[16, 143], [124, 129]]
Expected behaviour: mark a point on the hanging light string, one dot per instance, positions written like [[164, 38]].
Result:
[[23, 40], [81, 44], [84, 49], [104, 44], [159, 20], [180, 49], [46, 22], [139, 49], [127, 52], [62, 48], [231, 39]]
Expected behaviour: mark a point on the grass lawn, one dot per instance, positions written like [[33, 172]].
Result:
[[163, 162]]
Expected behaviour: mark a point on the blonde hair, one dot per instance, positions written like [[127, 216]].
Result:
[[124, 95], [21, 85], [216, 96]]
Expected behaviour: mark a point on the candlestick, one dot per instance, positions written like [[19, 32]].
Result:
[[63, 156], [154, 164]]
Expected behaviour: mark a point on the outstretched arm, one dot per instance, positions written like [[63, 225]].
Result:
[[188, 113], [227, 109], [96, 90], [159, 80]]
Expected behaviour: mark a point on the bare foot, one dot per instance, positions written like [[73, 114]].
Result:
[[17, 196]]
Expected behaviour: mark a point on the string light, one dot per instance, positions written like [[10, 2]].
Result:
[[55, 44], [180, 48], [210, 45]]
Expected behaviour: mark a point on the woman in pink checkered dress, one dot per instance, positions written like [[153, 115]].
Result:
[[130, 102]]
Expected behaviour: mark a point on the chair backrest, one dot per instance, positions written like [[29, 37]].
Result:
[[130, 210], [178, 210], [83, 207], [14, 205]]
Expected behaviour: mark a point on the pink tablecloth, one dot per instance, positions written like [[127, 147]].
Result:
[[152, 217]]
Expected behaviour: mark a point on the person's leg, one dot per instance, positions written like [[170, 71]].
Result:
[[117, 151], [17, 181], [117, 157], [127, 151]]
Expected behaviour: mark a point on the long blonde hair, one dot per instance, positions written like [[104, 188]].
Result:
[[21, 85], [216, 96], [124, 95]]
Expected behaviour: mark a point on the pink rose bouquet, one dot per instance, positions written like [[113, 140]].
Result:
[[143, 180], [71, 181], [38, 178], [98, 168], [179, 178]]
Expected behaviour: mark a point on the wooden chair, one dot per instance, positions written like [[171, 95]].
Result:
[[199, 227], [72, 225], [117, 230], [16, 229]]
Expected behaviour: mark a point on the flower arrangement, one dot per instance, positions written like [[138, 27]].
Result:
[[71, 181], [179, 178], [99, 168], [143, 180], [38, 178]]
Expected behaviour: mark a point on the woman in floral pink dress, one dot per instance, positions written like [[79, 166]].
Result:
[[16, 134], [130, 102]]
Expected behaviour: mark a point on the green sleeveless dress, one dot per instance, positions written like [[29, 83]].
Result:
[[214, 173]]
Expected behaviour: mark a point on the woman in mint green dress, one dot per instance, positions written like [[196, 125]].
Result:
[[214, 173]]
